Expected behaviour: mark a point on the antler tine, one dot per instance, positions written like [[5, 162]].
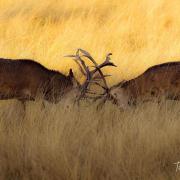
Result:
[[90, 73], [97, 68], [108, 58], [86, 83], [107, 61], [86, 54], [84, 69], [80, 67], [81, 61], [83, 65]]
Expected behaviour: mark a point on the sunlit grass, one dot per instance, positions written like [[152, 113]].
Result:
[[66, 142], [138, 33]]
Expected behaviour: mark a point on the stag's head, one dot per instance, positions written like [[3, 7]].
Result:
[[118, 95]]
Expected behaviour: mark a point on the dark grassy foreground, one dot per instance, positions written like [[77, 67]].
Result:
[[70, 143]]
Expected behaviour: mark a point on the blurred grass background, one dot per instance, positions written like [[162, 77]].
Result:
[[65, 142], [139, 33]]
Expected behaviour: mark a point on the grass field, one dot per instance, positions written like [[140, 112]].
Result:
[[81, 143], [57, 142]]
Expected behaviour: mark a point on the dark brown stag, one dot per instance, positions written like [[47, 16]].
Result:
[[160, 81], [25, 79]]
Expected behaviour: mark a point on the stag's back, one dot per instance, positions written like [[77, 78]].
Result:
[[24, 78], [158, 80]]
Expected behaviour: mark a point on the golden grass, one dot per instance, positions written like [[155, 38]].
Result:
[[81, 143], [139, 33], [71, 143]]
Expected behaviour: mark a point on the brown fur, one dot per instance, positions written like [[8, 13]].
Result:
[[158, 81], [25, 79]]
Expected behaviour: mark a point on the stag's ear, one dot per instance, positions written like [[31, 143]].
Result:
[[76, 84], [71, 74]]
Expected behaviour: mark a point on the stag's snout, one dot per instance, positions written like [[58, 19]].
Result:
[[119, 97]]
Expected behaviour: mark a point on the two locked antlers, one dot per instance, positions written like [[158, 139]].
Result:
[[90, 75]]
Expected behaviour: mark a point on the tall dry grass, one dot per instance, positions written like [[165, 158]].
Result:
[[80, 143], [57, 142]]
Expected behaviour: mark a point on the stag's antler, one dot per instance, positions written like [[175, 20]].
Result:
[[99, 67], [90, 74]]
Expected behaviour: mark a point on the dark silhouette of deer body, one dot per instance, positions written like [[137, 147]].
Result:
[[25, 79], [158, 81]]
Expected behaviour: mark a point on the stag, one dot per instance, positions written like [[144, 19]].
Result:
[[157, 82], [25, 79]]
